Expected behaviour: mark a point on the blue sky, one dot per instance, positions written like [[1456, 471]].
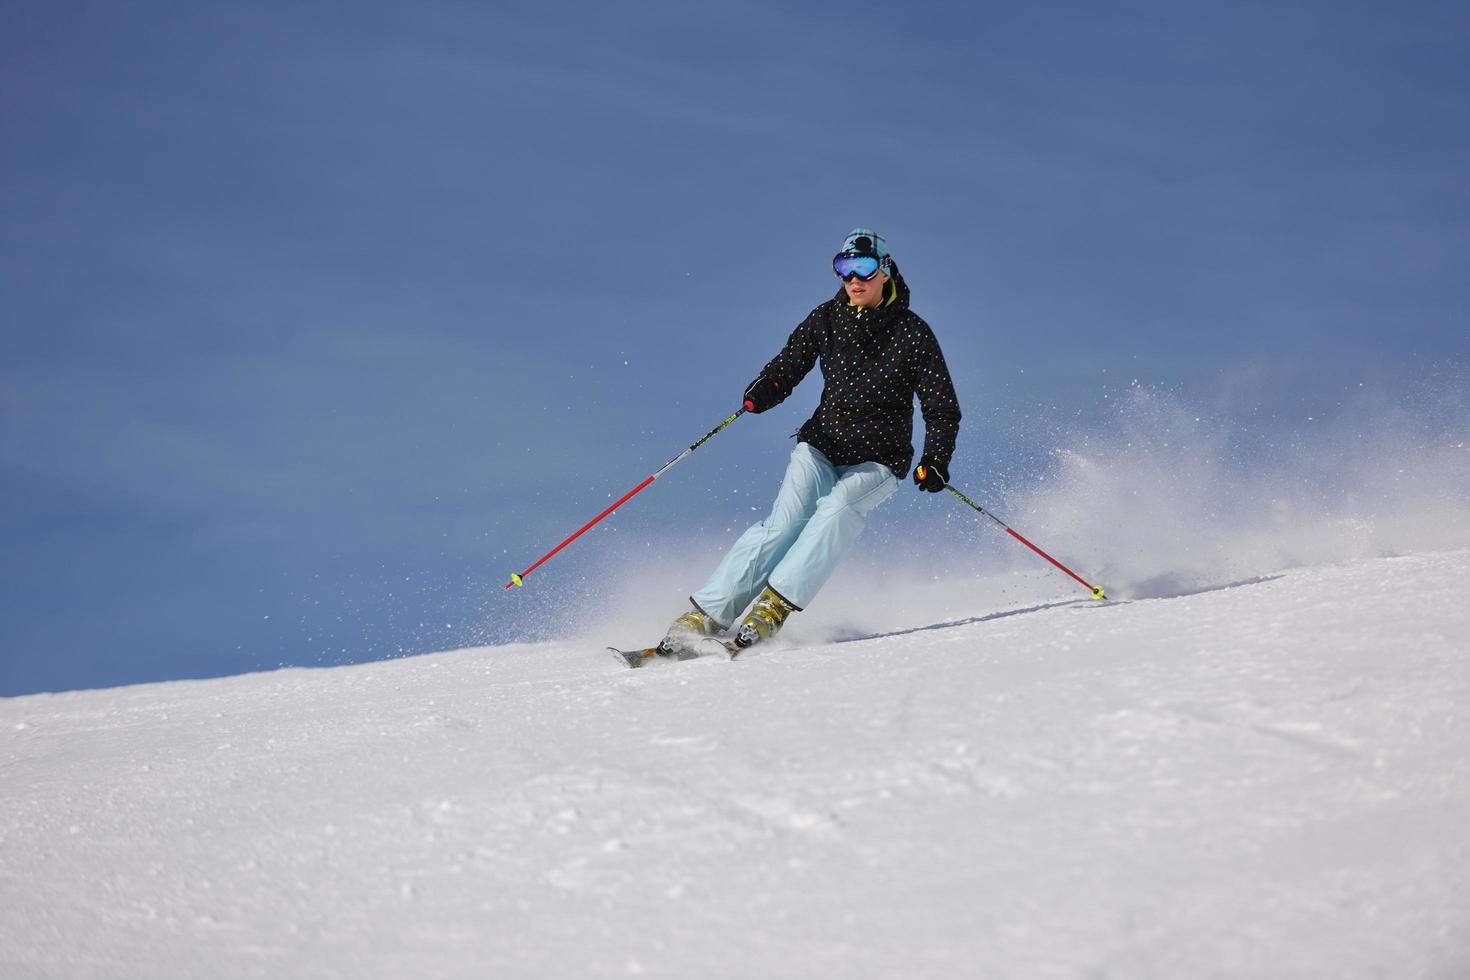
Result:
[[313, 328]]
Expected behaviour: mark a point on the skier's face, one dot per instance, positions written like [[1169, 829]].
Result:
[[868, 293]]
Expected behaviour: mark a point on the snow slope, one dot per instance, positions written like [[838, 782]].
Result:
[[1263, 780]]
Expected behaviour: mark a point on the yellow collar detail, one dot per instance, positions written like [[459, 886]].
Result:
[[890, 294]]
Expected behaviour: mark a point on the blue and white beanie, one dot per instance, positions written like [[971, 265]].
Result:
[[865, 241]]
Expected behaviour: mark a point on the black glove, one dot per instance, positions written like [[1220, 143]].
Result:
[[761, 395], [931, 476]]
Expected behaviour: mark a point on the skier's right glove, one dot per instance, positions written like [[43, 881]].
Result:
[[931, 476], [761, 395]]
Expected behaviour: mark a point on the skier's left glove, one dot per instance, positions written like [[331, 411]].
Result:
[[931, 476]]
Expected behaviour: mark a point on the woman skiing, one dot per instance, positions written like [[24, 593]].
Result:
[[876, 355]]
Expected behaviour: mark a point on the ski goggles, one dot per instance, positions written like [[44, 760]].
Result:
[[848, 266]]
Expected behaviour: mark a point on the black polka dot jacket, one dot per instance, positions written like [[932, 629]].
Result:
[[873, 364]]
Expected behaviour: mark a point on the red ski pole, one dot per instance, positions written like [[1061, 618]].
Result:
[[517, 579], [1096, 590]]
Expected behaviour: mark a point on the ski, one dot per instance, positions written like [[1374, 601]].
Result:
[[635, 658], [650, 655], [709, 646]]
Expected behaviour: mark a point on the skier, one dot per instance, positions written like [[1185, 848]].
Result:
[[876, 355]]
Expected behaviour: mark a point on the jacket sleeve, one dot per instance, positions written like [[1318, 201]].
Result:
[[797, 358], [937, 400]]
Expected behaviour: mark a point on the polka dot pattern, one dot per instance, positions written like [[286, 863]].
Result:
[[873, 364]]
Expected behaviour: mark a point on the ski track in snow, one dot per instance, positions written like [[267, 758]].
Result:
[[1266, 780]]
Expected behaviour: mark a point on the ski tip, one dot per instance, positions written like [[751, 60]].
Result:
[[635, 658]]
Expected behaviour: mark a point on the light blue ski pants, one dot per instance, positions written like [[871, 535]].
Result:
[[819, 512]]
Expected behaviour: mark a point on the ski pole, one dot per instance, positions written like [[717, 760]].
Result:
[[517, 579], [1096, 590]]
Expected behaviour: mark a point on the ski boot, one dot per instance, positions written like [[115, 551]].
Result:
[[685, 633], [764, 620]]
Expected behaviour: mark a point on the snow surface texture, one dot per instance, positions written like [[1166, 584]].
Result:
[[1262, 780]]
